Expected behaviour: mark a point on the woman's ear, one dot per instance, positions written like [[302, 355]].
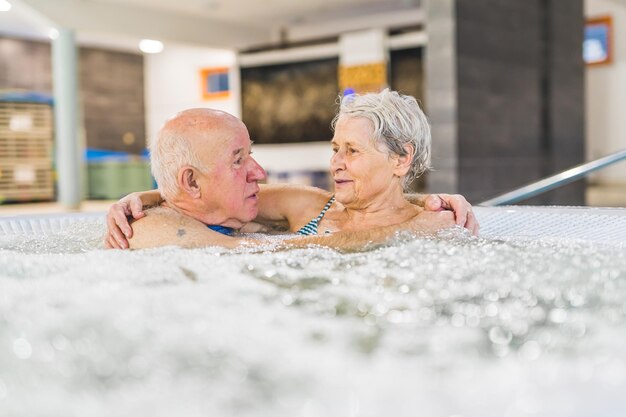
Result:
[[403, 163], [188, 181]]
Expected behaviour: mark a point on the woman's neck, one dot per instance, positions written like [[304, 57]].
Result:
[[388, 205]]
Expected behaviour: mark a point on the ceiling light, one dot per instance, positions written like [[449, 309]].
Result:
[[53, 33], [5, 6], [150, 46]]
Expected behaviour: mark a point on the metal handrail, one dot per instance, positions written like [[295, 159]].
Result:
[[555, 181]]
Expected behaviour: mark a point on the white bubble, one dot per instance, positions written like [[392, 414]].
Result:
[[457, 320], [558, 315], [287, 299], [22, 348], [500, 336], [395, 316], [3, 390], [491, 310], [60, 342], [530, 350]]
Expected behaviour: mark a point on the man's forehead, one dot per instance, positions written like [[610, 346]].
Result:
[[230, 137], [237, 145]]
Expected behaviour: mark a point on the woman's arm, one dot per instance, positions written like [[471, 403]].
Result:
[[286, 206], [164, 227], [118, 227]]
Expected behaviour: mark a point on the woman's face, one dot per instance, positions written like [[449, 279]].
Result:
[[361, 169]]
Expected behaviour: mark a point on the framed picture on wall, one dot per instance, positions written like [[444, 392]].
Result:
[[598, 41], [215, 83]]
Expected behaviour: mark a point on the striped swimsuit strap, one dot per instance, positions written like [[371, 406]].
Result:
[[311, 227]]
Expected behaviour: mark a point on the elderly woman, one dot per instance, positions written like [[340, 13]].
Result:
[[381, 143]]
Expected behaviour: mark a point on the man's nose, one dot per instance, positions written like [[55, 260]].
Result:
[[255, 172]]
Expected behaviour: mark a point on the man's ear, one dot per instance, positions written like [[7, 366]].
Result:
[[188, 181], [403, 163]]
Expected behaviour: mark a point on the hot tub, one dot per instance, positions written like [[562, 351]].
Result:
[[527, 320]]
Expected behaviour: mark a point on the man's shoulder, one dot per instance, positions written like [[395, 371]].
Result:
[[159, 226]]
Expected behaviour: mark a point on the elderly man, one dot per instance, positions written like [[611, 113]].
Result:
[[209, 181]]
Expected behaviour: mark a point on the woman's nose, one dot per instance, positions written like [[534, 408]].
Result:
[[336, 161]]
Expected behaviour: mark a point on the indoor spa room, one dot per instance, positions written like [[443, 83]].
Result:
[[462, 252]]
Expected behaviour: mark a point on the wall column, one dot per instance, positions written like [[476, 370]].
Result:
[[66, 111], [505, 84]]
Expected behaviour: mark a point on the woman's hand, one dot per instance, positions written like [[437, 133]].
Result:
[[118, 229], [464, 216]]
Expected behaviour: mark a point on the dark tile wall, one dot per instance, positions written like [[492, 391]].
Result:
[[407, 77], [407, 72], [111, 89], [520, 95]]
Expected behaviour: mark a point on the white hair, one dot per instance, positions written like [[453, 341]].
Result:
[[398, 121], [169, 152]]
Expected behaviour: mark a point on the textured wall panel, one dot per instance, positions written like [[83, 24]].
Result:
[[111, 89]]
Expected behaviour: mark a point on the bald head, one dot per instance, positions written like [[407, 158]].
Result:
[[200, 122], [183, 138]]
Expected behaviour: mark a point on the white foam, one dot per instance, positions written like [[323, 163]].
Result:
[[502, 325]]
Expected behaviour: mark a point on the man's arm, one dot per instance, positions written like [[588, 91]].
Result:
[[281, 206], [290, 205]]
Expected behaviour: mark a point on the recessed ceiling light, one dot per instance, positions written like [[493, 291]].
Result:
[[150, 46], [53, 33], [5, 6]]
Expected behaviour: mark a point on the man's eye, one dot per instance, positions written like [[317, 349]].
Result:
[[335, 150], [352, 150], [238, 161]]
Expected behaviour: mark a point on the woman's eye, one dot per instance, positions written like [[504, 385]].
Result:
[[238, 161], [335, 150], [352, 150]]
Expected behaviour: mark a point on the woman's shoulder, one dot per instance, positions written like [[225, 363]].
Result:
[[430, 221]]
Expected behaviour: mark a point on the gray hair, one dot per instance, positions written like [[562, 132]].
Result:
[[398, 121], [169, 152]]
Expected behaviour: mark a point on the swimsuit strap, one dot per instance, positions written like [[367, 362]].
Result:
[[325, 209], [229, 231], [311, 227]]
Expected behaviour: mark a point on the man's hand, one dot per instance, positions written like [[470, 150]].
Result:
[[118, 229], [458, 204]]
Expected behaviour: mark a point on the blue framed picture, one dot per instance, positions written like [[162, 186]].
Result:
[[598, 41], [215, 83]]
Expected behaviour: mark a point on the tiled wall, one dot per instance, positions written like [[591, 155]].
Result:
[[111, 89], [519, 95], [112, 93]]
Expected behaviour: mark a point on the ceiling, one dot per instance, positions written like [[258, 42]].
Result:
[[267, 13], [238, 24]]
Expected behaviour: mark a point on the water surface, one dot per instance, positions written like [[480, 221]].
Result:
[[446, 326]]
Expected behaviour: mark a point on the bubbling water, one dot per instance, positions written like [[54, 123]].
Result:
[[451, 325]]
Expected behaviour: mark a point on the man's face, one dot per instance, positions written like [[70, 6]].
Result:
[[230, 188]]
